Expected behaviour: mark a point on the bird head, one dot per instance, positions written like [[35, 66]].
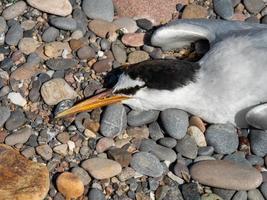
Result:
[[125, 83]]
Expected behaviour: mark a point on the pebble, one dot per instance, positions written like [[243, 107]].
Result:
[[45, 151], [61, 63], [14, 10], [255, 116], [240, 195], [199, 137], [101, 168], [102, 27], [180, 169], [26, 71], [137, 56], [56, 49], [96, 194], [226, 175], [144, 24], [255, 195], [119, 52], [161, 152], [255, 160], [133, 39], [254, 6], [263, 189], [65, 23], [57, 90], [50, 34], [3, 25], [59, 7], [190, 191], [17, 99], [120, 155], [86, 53], [187, 147], [147, 164], [103, 65], [99, 9], [126, 23], [114, 120], [140, 118], [82, 174], [155, 131], [28, 45], [126, 174], [194, 11], [222, 137], [14, 34], [175, 122], [16, 119], [82, 22], [4, 115], [196, 121], [225, 194], [104, 144], [258, 142], [210, 196], [239, 158], [167, 142], [28, 24], [61, 149], [19, 136], [224, 8]]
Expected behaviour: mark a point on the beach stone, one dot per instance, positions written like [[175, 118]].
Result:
[[263, 189], [210, 196], [26, 71], [201, 158], [61, 149], [126, 174], [255, 160], [114, 120], [28, 25], [147, 164], [199, 137], [20, 136], [82, 174], [14, 10], [16, 119], [187, 147], [50, 34], [82, 22], [255, 194], [55, 49], [120, 155], [190, 191], [255, 116], [167, 142], [103, 65], [258, 142], [222, 137], [101, 168], [14, 34], [28, 45], [224, 8], [180, 169], [155, 131], [175, 122], [225, 194], [119, 52], [238, 157], [4, 115], [96, 194], [226, 175], [102, 27], [140, 118], [161, 152], [240, 195], [59, 7], [137, 56], [57, 90], [99, 9], [21, 178], [133, 39], [65, 23], [138, 132], [3, 25], [144, 24], [254, 6], [61, 63], [126, 23], [104, 144], [86, 52], [205, 151], [44, 151], [194, 11], [196, 121]]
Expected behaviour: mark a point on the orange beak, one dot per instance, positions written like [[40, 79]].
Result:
[[103, 99]]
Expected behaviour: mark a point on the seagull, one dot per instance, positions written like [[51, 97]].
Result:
[[221, 87]]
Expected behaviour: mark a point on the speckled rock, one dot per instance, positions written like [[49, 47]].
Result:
[[137, 56]]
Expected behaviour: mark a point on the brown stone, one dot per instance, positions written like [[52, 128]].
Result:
[[55, 49], [104, 144], [194, 11], [196, 121], [76, 44], [21, 179], [133, 39], [102, 27], [121, 156], [103, 65], [26, 71]]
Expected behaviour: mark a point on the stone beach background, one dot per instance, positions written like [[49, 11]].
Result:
[[54, 53]]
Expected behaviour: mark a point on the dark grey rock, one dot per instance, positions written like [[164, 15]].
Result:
[[3, 25], [6, 64], [190, 191], [44, 77], [222, 137], [256, 116], [175, 122], [99, 9], [79, 119], [119, 52], [168, 142], [187, 147], [91, 88], [14, 34], [61, 63], [140, 118], [35, 90], [153, 184], [96, 194], [240, 195], [32, 141], [225, 194], [258, 142], [144, 24], [162, 153], [155, 131], [16, 120], [81, 20], [4, 115], [254, 6], [263, 189], [63, 105], [255, 195], [255, 160], [50, 34], [238, 157], [205, 151], [147, 164], [33, 58], [223, 8], [180, 168], [68, 24], [19, 137], [114, 120]]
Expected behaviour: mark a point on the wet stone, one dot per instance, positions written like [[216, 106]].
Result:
[[61, 64], [16, 120], [50, 34], [139, 118], [64, 23], [187, 147]]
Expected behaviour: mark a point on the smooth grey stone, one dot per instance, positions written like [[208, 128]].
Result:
[[155, 131], [14, 34], [187, 147], [140, 118], [205, 151], [50, 34], [144, 24], [16, 119], [223, 193], [180, 167], [235, 2], [3, 25], [19, 137], [119, 52], [223, 8], [254, 6], [34, 58], [252, 19], [174, 193], [114, 120], [263, 189], [255, 160], [175, 122], [190, 191], [4, 115], [256, 116], [96, 194], [35, 90], [81, 20], [147, 164], [6, 64], [240, 195], [258, 142], [61, 63], [264, 19], [162, 153], [63, 105], [99, 9], [202, 158], [68, 24], [168, 142], [255, 195], [238, 157], [223, 138]]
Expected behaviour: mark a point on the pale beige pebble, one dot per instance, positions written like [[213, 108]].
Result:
[[137, 56], [104, 144], [14, 10], [56, 49], [78, 34], [28, 24], [101, 168], [133, 39], [226, 174], [61, 149], [194, 11], [70, 185], [90, 134], [28, 45], [57, 90], [199, 136], [56, 7], [197, 121], [17, 99], [101, 27]]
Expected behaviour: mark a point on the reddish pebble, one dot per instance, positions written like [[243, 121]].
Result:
[[133, 39]]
